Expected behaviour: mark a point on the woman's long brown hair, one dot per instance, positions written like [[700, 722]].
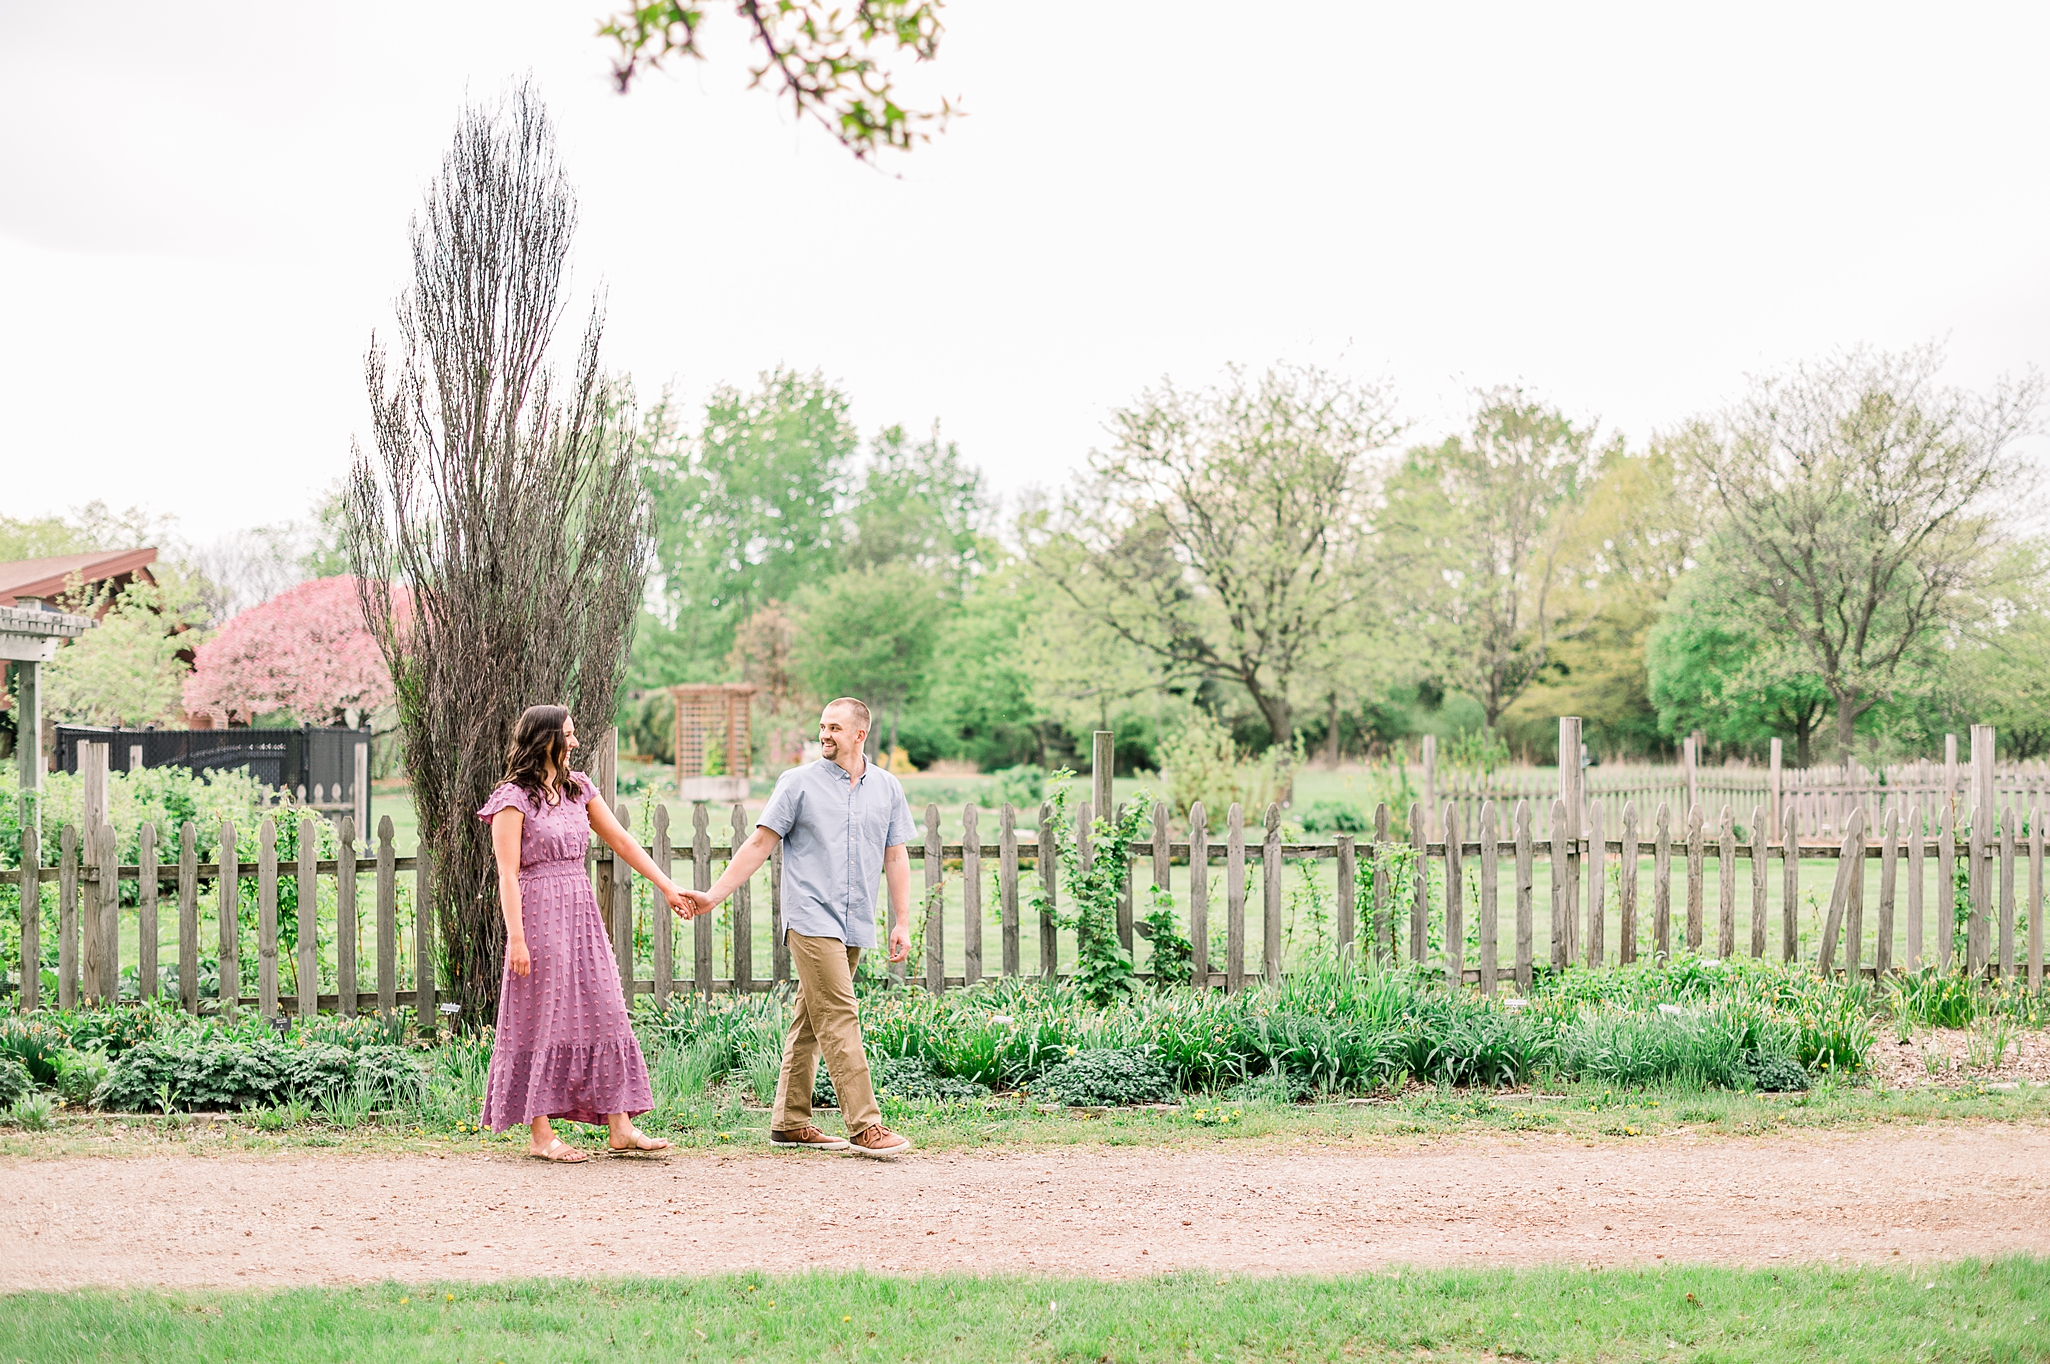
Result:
[[537, 760]]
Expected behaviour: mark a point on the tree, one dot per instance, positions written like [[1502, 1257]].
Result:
[[506, 511], [1710, 668], [921, 504], [744, 515], [870, 633], [1481, 526], [127, 670], [1224, 536], [1862, 509], [305, 651], [822, 57]]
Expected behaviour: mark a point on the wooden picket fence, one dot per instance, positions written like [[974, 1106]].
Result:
[[1418, 882]]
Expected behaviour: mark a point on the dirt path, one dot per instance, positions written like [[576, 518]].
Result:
[[184, 1220]]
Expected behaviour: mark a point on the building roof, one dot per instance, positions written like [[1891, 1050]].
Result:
[[47, 577]]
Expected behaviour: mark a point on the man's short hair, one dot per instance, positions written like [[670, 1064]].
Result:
[[859, 708]]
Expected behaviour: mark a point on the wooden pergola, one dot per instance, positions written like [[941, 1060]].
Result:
[[29, 636], [713, 717]]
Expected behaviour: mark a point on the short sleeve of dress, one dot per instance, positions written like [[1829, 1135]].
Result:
[[586, 789], [506, 797]]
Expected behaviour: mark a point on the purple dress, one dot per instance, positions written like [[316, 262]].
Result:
[[563, 1047]]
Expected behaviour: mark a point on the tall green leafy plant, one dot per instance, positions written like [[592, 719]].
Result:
[[1104, 972]]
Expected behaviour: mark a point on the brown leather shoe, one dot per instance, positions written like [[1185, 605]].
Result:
[[880, 1141], [807, 1138]]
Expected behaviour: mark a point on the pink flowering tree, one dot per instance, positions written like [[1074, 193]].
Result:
[[305, 651]]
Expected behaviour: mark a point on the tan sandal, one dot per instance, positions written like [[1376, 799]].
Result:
[[560, 1152], [644, 1145]]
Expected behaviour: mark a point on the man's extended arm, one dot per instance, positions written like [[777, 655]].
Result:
[[747, 860]]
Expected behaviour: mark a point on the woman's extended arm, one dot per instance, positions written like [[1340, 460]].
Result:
[[505, 846], [605, 824]]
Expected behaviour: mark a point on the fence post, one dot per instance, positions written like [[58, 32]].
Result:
[[1491, 938], [1525, 876], [426, 1015], [971, 896], [1597, 863], [1348, 927], [387, 921], [110, 914], [31, 910], [1790, 886], [267, 919], [2036, 898], [1455, 903], [1662, 883], [1946, 884], [1626, 888], [1889, 868], [701, 966], [1759, 856], [1049, 881], [1235, 898], [1726, 887], [346, 931], [1163, 857], [1774, 789], [146, 888], [93, 780], [1007, 885], [935, 905], [1980, 943], [618, 904], [1199, 896], [1382, 929], [228, 919], [1419, 881], [1915, 872], [1696, 855], [1270, 896], [743, 908], [2007, 896], [1849, 869], [309, 918], [663, 924], [67, 918]]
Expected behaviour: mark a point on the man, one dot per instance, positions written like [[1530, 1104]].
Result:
[[840, 820]]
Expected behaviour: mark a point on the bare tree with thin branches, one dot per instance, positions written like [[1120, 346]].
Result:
[[1863, 507], [499, 532]]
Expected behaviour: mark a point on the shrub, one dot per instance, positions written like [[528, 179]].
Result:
[[34, 1044], [1119, 1076], [1775, 1074], [222, 1075], [32, 1113], [78, 1074], [1335, 817], [1023, 786], [908, 1078], [15, 1083], [1200, 761]]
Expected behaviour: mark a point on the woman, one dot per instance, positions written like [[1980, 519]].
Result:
[[563, 1048]]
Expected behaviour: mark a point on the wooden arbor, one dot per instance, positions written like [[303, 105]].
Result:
[[712, 733]]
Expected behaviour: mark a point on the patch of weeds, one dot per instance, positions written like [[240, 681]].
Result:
[[1699, 1115]]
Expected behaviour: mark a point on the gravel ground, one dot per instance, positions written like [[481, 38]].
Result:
[[177, 1220]]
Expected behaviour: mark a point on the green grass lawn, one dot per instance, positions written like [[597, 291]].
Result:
[[1963, 1311]]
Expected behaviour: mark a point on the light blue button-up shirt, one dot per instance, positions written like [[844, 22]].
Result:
[[834, 830]]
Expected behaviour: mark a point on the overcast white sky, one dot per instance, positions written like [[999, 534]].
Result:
[[203, 216]]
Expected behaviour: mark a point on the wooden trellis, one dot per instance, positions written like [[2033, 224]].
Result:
[[713, 717]]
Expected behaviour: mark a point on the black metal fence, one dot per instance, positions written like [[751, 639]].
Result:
[[313, 764]]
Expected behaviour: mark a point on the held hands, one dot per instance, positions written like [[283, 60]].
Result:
[[517, 957], [688, 904]]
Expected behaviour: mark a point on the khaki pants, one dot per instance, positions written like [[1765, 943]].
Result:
[[824, 1020]]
